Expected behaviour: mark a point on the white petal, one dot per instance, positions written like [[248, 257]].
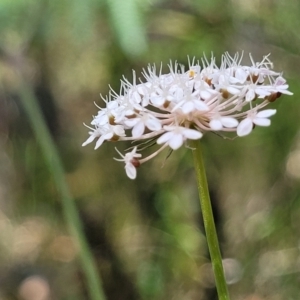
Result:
[[205, 95], [138, 130], [176, 141], [178, 93], [100, 120], [262, 92], [99, 142], [178, 105], [232, 90], [129, 112], [229, 122], [215, 124], [135, 97], [157, 100], [103, 138], [164, 138], [266, 113], [284, 91], [200, 105], [262, 121], [131, 122], [89, 140], [241, 75], [282, 86], [280, 81], [153, 124], [233, 80], [142, 89], [188, 107], [250, 95], [245, 127], [192, 134], [119, 130], [130, 170], [112, 104]]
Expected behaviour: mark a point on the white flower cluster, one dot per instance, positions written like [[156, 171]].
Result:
[[171, 108]]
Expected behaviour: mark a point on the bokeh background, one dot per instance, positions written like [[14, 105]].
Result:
[[146, 235]]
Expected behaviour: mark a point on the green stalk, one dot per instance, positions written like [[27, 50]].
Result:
[[209, 224], [70, 211]]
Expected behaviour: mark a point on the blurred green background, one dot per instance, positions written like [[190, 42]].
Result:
[[146, 235]]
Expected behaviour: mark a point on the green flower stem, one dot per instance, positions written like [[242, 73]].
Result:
[[209, 224], [51, 155]]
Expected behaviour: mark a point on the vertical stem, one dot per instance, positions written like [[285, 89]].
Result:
[[209, 224], [70, 211]]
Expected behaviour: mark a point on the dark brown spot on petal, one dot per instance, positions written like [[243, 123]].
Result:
[[111, 120], [136, 163], [166, 104], [273, 97], [131, 116], [254, 78], [207, 80], [225, 94], [115, 138]]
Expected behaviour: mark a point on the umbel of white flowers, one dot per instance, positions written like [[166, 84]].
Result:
[[169, 109]]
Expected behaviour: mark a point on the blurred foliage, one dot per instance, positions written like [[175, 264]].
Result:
[[146, 235]]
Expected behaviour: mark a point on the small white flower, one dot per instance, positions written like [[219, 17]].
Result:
[[255, 90], [105, 114], [203, 89], [161, 96], [176, 135], [142, 121], [105, 133], [93, 134], [131, 160], [260, 119], [222, 83], [280, 86]]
